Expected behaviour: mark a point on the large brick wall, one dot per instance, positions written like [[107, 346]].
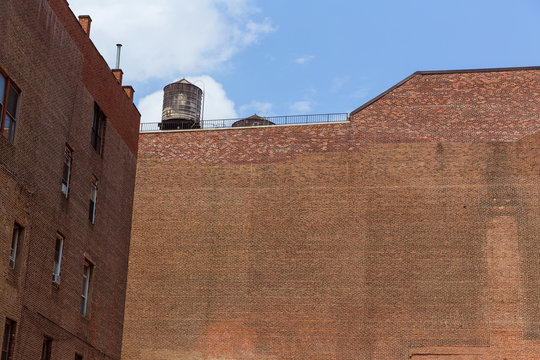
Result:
[[60, 74], [393, 236]]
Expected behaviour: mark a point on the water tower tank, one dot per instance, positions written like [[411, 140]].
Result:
[[182, 103], [253, 120]]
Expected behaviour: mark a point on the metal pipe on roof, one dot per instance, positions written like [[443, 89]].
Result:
[[118, 48]]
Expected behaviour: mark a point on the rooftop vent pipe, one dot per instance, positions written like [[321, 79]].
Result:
[[118, 49]]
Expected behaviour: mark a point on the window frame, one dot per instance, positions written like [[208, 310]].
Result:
[[4, 105], [58, 252], [16, 246], [66, 172], [8, 340], [88, 272], [93, 200], [46, 348], [98, 129]]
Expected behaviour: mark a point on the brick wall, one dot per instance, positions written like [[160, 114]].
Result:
[[99, 80], [61, 75], [455, 106], [364, 240]]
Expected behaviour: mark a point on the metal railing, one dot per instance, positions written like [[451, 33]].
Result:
[[247, 122]]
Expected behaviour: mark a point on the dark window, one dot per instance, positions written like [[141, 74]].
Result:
[[9, 339], [66, 175], [88, 269], [78, 357], [46, 348], [98, 123], [58, 249], [16, 245], [93, 199], [9, 98]]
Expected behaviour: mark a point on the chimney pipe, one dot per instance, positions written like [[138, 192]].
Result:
[[118, 49]]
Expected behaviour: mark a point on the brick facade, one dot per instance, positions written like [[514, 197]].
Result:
[[60, 75], [410, 232]]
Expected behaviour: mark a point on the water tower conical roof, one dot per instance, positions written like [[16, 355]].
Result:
[[182, 81]]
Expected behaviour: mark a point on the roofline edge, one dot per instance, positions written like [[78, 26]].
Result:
[[439, 72]]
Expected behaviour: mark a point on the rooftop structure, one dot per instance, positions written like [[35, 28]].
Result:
[[182, 106], [253, 120]]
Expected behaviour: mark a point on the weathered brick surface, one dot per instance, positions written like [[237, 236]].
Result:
[[60, 75], [455, 106], [365, 240]]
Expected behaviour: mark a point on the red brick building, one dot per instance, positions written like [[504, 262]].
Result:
[[411, 231], [68, 148]]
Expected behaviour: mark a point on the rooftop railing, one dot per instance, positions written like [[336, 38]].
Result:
[[247, 122]]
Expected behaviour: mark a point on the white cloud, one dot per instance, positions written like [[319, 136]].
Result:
[[304, 59], [216, 105], [164, 38], [301, 107], [258, 107], [150, 107], [254, 31]]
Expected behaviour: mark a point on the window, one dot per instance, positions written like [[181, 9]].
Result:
[[46, 348], [87, 278], [78, 357], [67, 170], [16, 246], [9, 97], [9, 339], [58, 248], [98, 122], [93, 198]]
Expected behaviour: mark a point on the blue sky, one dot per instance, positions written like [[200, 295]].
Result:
[[293, 57]]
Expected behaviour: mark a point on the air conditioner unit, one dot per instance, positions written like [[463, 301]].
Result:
[[56, 278]]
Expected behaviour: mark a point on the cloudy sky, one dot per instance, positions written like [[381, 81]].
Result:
[[281, 57]]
